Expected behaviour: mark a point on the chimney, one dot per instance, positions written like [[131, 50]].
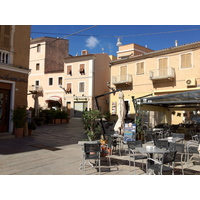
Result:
[[84, 52], [176, 43]]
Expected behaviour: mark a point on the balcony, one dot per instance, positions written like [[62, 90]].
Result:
[[122, 79], [4, 57], [157, 74], [35, 89]]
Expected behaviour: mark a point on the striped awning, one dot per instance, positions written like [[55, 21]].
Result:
[[54, 98]]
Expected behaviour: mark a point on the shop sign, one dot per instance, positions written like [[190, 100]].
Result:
[[80, 99], [7, 77]]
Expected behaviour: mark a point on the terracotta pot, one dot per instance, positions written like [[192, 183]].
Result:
[[103, 154], [63, 121], [57, 121], [19, 132]]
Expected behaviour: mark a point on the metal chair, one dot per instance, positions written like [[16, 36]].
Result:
[[148, 136], [179, 135], [159, 166], [92, 152], [191, 149], [161, 143], [133, 153], [180, 148]]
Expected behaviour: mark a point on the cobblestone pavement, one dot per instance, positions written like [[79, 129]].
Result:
[[54, 150]]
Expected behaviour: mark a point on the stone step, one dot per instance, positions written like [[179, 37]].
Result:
[[6, 135]]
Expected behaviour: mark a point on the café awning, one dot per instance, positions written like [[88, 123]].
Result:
[[189, 99], [54, 98]]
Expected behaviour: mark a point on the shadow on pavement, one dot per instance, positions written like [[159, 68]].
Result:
[[51, 137]]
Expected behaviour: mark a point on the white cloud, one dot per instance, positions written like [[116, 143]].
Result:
[[91, 42]]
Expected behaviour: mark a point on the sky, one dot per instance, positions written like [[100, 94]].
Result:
[[103, 38]]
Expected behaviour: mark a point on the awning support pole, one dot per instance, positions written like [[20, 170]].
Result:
[[104, 132]]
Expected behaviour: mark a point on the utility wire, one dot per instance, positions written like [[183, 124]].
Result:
[[143, 34], [69, 35]]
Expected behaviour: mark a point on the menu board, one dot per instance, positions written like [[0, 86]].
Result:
[[129, 132]]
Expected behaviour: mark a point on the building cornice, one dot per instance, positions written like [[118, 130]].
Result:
[[82, 57], [14, 68]]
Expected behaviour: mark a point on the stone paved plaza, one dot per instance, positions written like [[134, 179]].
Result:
[[54, 150]]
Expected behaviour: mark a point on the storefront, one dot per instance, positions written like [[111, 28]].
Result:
[[80, 105], [181, 103]]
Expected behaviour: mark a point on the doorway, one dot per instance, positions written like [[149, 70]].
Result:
[[4, 109], [79, 108]]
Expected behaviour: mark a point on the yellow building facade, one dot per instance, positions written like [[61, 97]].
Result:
[[171, 70], [14, 71]]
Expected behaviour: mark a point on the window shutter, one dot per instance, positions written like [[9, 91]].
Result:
[[68, 88], [6, 39], [183, 61], [38, 66], [163, 63], [82, 68], [81, 87], [188, 60], [69, 70], [140, 68]]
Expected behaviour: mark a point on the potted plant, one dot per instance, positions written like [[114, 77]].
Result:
[[57, 116], [91, 125], [39, 120], [64, 117], [19, 119], [31, 127]]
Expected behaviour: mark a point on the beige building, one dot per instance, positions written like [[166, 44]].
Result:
[[73, 86], [171, 70], [47, 72], [86, 77], [14, 70]]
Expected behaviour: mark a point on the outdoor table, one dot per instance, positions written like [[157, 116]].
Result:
[[172, 139], [158, 129], [151, 151], [90, 142]]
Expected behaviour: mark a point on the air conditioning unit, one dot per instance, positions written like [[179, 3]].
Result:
[[190, 82]]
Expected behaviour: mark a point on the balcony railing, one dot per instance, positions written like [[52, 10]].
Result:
[[122, 79], [35, 88], [4, 57], [167, 73]]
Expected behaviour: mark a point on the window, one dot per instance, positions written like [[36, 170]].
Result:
[[163, 64], [5, 37], [81, 87], [37, 82], [50, 81], [69, 88], [186, 60], [82, 69], [69, 70], [38, 47], [123, 73], [140, 68], [38, 66], [59, 80]]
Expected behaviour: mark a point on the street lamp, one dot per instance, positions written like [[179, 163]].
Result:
[[108, 85]]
